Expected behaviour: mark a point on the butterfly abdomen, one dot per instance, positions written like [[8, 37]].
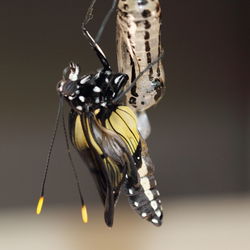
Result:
[[146, 199]]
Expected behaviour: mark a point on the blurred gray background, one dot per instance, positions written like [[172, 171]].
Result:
[[200, 137]]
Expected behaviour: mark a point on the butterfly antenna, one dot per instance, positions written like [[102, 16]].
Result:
[[92, 42], [105, 20], [41, 199], [83, 208], [119, 97]]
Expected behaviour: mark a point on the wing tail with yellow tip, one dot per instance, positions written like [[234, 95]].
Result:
[[39, 205], [84, 214]]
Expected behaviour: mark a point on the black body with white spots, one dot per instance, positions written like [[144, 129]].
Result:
[[91, 92], [146, 200]]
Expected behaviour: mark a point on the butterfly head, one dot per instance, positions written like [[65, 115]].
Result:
[[90, 92]]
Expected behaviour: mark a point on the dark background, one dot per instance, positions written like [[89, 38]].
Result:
[[200, 138]]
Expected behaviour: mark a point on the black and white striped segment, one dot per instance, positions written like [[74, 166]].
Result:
[[146, 199]]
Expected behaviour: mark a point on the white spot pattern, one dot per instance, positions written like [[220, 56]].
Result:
[[149, 194], [158, 213], [117, 79], [155, 221], [61, 87], [143, 169], [84, 80], [82, 98], [145, 183], [97, 100], [154, 205], [97, 89]]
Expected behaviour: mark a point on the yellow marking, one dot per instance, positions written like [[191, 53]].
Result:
[[80, 139], [125, 124], [129, 117], [39, 205], [81, 143], [117, 125], [96, 111], [114, 171], [84, 214], [128, 110]]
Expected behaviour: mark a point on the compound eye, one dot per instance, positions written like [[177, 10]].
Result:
[[67, 88]]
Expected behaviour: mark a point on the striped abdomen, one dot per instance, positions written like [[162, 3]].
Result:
[[138, 44], [146, 200]]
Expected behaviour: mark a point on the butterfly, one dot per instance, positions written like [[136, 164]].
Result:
[[104, 132]]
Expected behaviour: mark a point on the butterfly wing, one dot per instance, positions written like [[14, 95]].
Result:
[[78, 140], [106, 155], [143, 196]]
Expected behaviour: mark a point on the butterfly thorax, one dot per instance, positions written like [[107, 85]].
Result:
[[94, 91]]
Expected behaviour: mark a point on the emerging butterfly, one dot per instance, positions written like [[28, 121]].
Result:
[[105, 134]]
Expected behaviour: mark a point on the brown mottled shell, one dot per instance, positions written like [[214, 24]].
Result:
[[138, 44]]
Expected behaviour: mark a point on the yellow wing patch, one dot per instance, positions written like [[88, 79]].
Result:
[[123, 122], [80, 139]]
